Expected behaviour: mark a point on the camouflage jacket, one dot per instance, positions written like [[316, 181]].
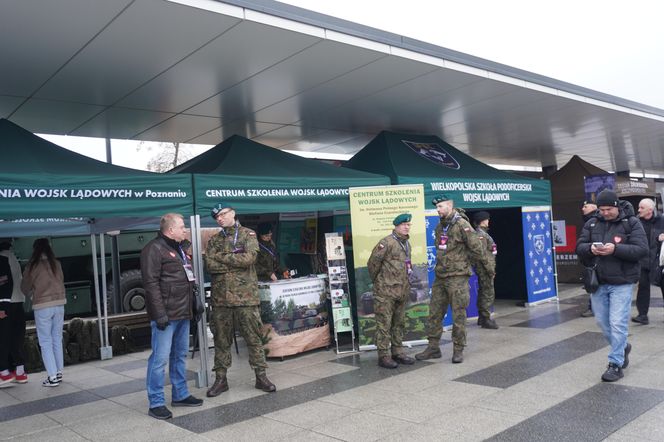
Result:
[[460, 248], [490, 248], [230, 258], [387, 266], [267, 261]]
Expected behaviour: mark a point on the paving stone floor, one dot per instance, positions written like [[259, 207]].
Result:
[[537, 378]]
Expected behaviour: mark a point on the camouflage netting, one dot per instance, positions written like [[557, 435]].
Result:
[[80, 342]]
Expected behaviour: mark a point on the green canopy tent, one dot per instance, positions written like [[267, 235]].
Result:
[[255, 178], [48, 190], [39, 180], [473, 185], [426, 159]]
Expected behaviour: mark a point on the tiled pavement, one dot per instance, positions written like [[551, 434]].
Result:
[[536, 378]]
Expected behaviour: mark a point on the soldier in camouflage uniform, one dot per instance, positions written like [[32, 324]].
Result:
[[486, 293], [267, 261], [457, 246], [229, 258], [389, 267]]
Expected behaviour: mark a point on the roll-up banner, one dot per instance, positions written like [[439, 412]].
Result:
[[372, 211]]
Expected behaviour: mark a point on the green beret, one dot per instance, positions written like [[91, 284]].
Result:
[[440, 198], [403, 218]]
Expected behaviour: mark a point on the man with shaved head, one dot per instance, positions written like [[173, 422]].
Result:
[[653, 224]]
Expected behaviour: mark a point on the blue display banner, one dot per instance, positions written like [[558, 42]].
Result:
[[538, 252], [431, 221]]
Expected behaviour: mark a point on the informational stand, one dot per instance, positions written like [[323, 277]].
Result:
[[339, 288]]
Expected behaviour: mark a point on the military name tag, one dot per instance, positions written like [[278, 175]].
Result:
[[442, 244]]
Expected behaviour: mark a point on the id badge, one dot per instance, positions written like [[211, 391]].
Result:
[[442, 244], [494, 249], [190, 272], [409, 267]]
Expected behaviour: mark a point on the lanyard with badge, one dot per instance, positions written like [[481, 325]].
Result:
[[188, 269], [442, 242], [406, 249], [235, 249], [267, 249]]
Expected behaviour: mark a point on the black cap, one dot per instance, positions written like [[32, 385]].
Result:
[[607, 197], [480, 216], [264, 228]]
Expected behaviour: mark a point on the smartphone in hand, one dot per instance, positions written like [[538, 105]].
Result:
[[598, 245]]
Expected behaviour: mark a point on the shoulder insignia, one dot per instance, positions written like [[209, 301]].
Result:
[[172, 254], [381, 245], [252, 233], [467, 229]]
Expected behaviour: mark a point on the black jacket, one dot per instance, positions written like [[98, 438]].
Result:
[[651, 261], [168, 292], [627, 233]]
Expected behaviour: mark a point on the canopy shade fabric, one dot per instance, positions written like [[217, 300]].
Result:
[[426, 159], [255, 178]]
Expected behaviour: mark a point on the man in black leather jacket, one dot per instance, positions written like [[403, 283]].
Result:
[[168, 280], [614, 241]]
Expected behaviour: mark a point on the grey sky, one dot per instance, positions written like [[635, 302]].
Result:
[[615, 47]]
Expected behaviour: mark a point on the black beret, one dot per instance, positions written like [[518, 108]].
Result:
[[440, 198]]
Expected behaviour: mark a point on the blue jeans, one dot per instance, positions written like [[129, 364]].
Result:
[[168, 346], [612, 305], [49, 321]]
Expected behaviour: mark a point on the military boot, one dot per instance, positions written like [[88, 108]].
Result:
[[263, 383], [220, 385], [457, 356], [489, 323], [431, 352], [387, 362]]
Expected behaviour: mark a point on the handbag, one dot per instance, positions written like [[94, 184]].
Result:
[[197, 306], [590, 279]]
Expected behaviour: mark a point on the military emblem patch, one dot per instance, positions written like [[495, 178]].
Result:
[[434, 153], [538, 241]]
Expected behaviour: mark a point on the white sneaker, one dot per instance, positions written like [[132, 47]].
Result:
[[58, 376], [50, 382]]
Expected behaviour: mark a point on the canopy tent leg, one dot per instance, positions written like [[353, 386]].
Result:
[[95, 269], [106, 350], [203, 378]]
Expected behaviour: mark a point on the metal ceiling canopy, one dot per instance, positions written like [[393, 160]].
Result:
[[200, 71]]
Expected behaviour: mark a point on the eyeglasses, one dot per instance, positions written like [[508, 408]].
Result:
[[224, 212]]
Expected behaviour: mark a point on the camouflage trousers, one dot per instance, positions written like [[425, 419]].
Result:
[[248, 321], [485, 293], [452, 291], [390, 316]]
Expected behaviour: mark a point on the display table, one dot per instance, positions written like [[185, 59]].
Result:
[[294, 315]]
